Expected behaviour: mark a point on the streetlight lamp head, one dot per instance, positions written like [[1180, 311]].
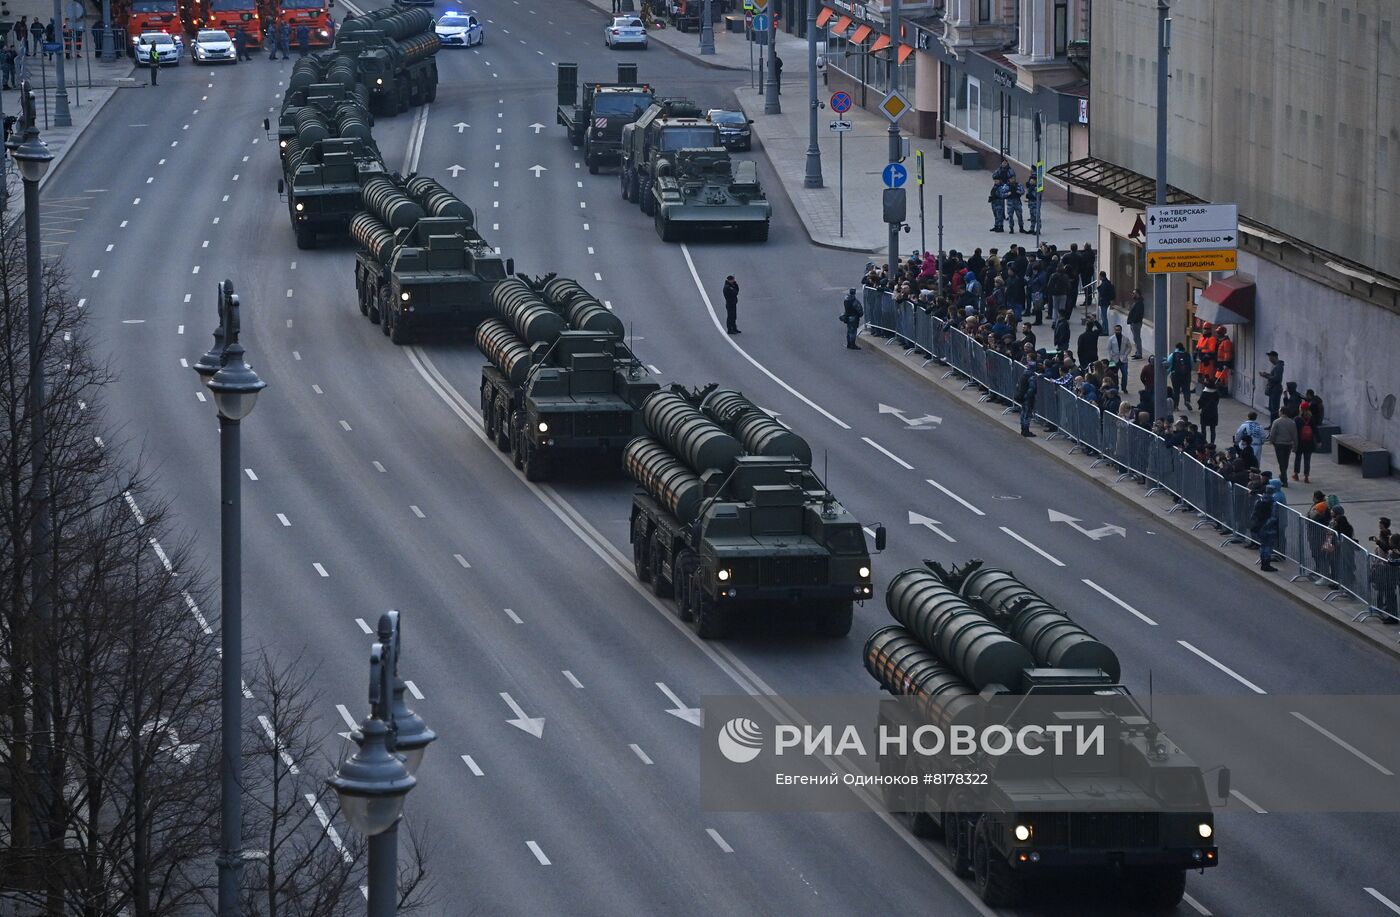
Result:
[[372, 783], [235, 385], [33, 156], [411, 735]]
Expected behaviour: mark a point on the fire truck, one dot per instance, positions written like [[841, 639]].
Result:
[[173, 17], [314, 14], [253, 17]]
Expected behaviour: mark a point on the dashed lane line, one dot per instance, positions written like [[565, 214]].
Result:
[[723, 844], [413, 689], [1382, 899], [539, 854], [510, 613], [955, 496], [1344, 744], [1119, 602], [252, 476], [364, 625], [320, 569], [1034, 547], [462, 560], [573, 680], [888, 454], [472, 766], [640, 754], [282, 518], [1224, 668]]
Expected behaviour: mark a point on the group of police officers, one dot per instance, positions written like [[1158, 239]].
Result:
[[1005, 198]]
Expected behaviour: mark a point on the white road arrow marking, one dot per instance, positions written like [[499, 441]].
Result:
[[349, 721], [461, 126], [927, 422], [932, 525], [1102, 531], [689, 714], [537, 126], [533, 725], [455, 170], [537, 169]]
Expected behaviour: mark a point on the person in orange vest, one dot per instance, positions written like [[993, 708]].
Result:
[[1205, 355], [1224, 357]]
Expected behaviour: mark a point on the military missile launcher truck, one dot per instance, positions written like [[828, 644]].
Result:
[[561, 385], [421, 264], [666, 128], [596, 123], [732, 520], [704, 189], [394, 50], [977, 647]]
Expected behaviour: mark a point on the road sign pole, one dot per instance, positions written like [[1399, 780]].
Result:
[[748, 28], [841, 181], [923, 237], [1039, 165], [1160, 333], [940, 245], [894, 124]]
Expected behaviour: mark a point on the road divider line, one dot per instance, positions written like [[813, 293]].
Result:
[[467, 759], [251, 475], [1224, 668], [417, 512], [513, 616], [345, 715], [1050, 557], [320, 569], [344, 425], [1344, 744], [377, 467], [1119, 602], [572, 679], [463, 561], [723, 844], [888, 454], [282, 518], [1196, 905], [539, 854], [413, 689], [1258, 809], [636, 750], [364, 625], [1382, 899], [955, 496]]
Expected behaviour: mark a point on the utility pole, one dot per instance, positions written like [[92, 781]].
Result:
[[1160, 333], [813, 178], [61, 115], [707, 31], [895, 149], [771, 105]]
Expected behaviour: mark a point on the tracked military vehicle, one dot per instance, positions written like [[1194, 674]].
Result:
[[663, 130], [703, 189], [421, 265], [732, 520], [977, 647], [561, 385], [395, 55], [595, 122]]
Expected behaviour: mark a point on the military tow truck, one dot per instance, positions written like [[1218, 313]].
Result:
[[705, 189], [596, 124], [732, 520], [666, 128]]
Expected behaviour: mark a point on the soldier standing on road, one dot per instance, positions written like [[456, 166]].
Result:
[[303, 40], [852, 315], [731, 304], [272, 41]]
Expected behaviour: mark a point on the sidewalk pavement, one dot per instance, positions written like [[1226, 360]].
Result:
[[83, 105]]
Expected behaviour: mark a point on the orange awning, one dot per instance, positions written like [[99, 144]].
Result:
[[842, 25], [861, 34], [904, 52], [824, 17], [881, 44]]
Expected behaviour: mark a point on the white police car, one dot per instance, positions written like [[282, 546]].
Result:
[[625, 31], [214, 45], [171, 48], [462, 30]]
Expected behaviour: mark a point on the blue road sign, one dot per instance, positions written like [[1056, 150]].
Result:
[[760, 22], [841, 102], [895, 175]]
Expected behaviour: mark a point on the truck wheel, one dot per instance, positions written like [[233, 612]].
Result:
[[924, 825], [686, 565], [760, 232], [955, 831], [517, 442], [397, 333], [661, 587], [835, 620], [591, 161], [386, 324], [373, 303], [622, 178], [665, 229], [712, 620], [306, 238], [640, 565], [536, 466], [502, 428], [362, 293], [996, 884], [1154, 889], [644, 197]]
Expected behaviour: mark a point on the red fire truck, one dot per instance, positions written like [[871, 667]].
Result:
[[253, 17], [314, 14], [173, 17]]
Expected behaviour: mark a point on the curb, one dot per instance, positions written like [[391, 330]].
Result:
[[1382, 637]]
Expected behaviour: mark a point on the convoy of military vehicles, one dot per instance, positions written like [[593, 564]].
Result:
[[730, 518]]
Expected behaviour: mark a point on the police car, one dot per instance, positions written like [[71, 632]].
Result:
[[171, 48], [462, 30], [213, 45]]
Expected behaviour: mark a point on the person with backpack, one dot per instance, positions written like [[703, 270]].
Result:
[[1283, 434], [1307, 444], [851, 315], [1179, 371]]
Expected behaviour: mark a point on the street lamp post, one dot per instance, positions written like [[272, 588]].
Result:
[[896, 146], [813, 178], [771, 104], [33, 158], [372, 784], [707, 31], [235, 388], [1160, 333], [61, 116], [109, 51]]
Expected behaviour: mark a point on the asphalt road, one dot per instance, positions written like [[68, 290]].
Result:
[[370, 487]]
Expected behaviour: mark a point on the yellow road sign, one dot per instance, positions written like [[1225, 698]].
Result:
[[1224, 259], [894, 106], [760, 5]]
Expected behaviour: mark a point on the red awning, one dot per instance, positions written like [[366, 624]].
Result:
[[824, 17], [881, 44], [1229, 301], [904, 52], [861, 34], [842, 25]]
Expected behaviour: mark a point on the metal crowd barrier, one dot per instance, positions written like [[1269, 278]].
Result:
[[1348, 569]]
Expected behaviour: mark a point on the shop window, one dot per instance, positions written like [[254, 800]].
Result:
[[1128, 268], [1061, 27], [984, 10]]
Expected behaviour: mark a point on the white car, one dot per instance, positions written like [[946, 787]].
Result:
[[625, 31], [462, 30], [212, 45], [171, 48]]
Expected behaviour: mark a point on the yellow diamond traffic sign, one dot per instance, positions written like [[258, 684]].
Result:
[[760, 5], [894, 106]]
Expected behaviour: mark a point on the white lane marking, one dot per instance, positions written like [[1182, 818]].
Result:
[[1382, 899], [705, 297], [184, 364], [289, 293], [281, 749], [640, 754], [251, 475], [331, 833], [888, 454], [345, 426], [1224, 668], [133, 321], [495, 227], [123, 224], [413, 689], [289, 323], [282, 518], [364, 625], [463, 561], [714, 836], [417, 512], [597, 276], [1050, 557], [955, 496], [472, 766], [245, 158], [206, 244], [161, 163], [196, 270], [188, 297], [150, 179], [378, 467], [294, 265], [111, 246], [652, 367], [1199, 907], [590, 249], [317, 389], [235, 178], [539, 854], [1258, 809], [513, 616], [160, 552], [96, 272], [583, 205], [572, 679], [180, 330], [136, 202], [585, 227], [225, 198], [200, 396], [1345, 744], [1119, 602], [296, 354], [320, 569]]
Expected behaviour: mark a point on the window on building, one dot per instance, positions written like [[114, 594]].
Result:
[[984, 10], [1061, 27]]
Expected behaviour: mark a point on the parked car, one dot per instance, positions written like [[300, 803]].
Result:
[[461, 30], [625, 32], [171, 48], [735, 131], [212, 45]]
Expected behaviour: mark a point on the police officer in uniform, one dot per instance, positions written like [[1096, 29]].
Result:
[[998, 206], [1033, 206], [1014, 216], [155, 63], [851, 316]]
